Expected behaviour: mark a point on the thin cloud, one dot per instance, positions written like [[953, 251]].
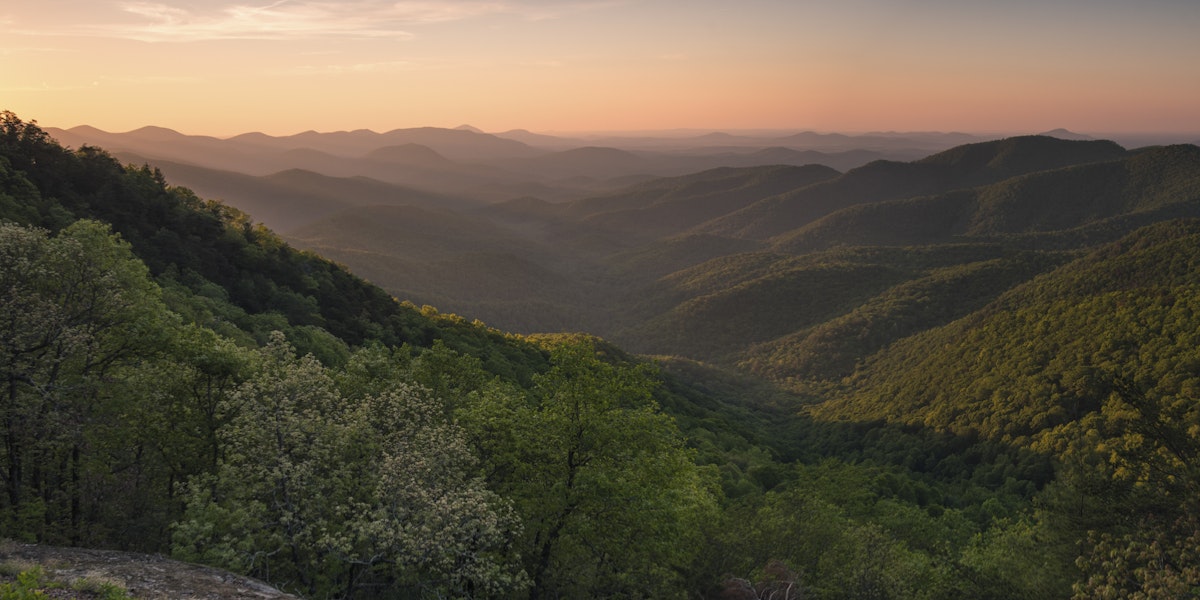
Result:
[[156, 80], [104, 81], [388, 66], [374, 67], [32, 50], [44, 87], [152, 21], [544, 11], [156, 22]]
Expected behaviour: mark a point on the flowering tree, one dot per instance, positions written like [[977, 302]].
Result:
[[324, 493]]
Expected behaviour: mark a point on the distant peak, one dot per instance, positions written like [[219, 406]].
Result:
[[85, 130], [252, 135], [1065, 134], [465, 127], [153, 130]]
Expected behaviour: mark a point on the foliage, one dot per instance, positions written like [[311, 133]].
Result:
[[1155, 560], [830, 350], [592, 466], [1092, 364], [715, 325], [79, 317], [33, 583], [1013, 422], [28, 586], [233, 270], [333, 492]]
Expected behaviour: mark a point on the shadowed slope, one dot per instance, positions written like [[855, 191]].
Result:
[[1113, 197], [966, 166]]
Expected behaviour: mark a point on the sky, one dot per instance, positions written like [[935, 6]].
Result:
[[223, 67]]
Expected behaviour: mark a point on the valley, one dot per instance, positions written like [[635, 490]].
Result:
[[873, 366], [771, 269]]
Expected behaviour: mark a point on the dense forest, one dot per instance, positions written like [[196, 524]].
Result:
[[1010, 412]]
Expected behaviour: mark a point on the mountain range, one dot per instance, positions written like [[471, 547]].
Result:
[[797, 272], [795, 253], [486, 167], [969, 374], [799, 252]]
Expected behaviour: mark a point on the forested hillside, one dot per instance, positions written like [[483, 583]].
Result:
[[179, 379], [713, 265], [1001, 406]]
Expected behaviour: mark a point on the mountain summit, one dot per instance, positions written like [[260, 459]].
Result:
[[1064, 134]]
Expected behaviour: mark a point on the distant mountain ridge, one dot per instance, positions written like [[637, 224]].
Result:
[[976, 370], [1065, 134], [658, 268], [496, 167], [696, 199], [960, 167], [658, 265], [294, 197], [1088, 195]]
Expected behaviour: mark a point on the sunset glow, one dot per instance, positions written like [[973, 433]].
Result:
[[223, 67]]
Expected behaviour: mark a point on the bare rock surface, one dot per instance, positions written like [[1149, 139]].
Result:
[[144, 576]]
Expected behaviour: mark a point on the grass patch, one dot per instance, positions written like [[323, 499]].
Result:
[[22, 581]]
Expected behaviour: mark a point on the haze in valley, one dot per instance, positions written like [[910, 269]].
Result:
[[508, 160], [604, 298]]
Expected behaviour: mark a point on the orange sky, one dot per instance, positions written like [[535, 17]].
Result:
[[223, 67]]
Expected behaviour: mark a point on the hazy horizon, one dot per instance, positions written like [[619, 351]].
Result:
[[225, 67], [1133, 138]]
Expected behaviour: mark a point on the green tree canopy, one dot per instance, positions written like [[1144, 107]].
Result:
[[332, 492], [77, 313], [611, 500]]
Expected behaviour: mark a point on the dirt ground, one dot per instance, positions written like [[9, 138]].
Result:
[[145, 577]]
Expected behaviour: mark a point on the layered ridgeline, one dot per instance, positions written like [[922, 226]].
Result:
[[795, 273], [1094, 363], [927, 230], [177, 379], [998, 304], [468, 162], [1019, 421]]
